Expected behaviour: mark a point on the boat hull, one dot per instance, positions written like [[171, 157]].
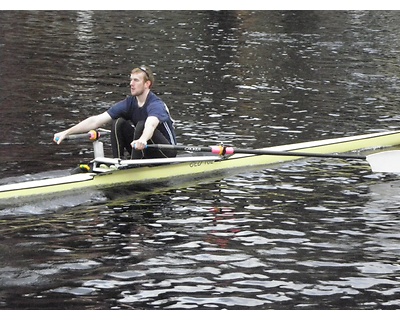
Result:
[[197, 167]]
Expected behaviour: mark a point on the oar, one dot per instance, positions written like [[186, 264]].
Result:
[[92, 135], [387, 161]]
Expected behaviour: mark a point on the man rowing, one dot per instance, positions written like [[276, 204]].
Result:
[[140, 119]]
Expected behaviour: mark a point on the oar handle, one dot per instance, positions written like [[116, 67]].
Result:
[[222, 150]]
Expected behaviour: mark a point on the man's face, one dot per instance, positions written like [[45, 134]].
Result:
[[138, 85]]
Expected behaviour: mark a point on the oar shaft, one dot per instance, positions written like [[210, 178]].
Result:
[[79, 136], [215, 150], [301, 154], [221, 150], [91, 135]]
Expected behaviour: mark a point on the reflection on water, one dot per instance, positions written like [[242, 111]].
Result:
[[253, 241], [312, 234]]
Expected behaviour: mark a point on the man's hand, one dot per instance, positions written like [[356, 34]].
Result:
[[60, 136], [139, 144]]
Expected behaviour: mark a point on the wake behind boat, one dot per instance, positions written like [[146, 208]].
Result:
[[109, 172]]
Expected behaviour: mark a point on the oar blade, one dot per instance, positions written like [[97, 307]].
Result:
[[387, 161]]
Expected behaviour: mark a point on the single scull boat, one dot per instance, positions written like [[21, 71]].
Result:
[[121, 172]]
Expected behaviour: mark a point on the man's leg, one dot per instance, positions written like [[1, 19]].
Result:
[[122, 133], [158, 138]]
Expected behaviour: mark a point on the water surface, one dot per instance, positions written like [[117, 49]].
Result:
[[310, 234]]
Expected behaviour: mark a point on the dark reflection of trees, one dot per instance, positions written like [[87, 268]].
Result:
[[222, 39], [299, 24], [302, 22]]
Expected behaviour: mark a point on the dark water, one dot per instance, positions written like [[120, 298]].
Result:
[[311, 234]]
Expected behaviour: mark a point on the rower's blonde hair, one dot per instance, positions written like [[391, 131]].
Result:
[[148, 73]]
